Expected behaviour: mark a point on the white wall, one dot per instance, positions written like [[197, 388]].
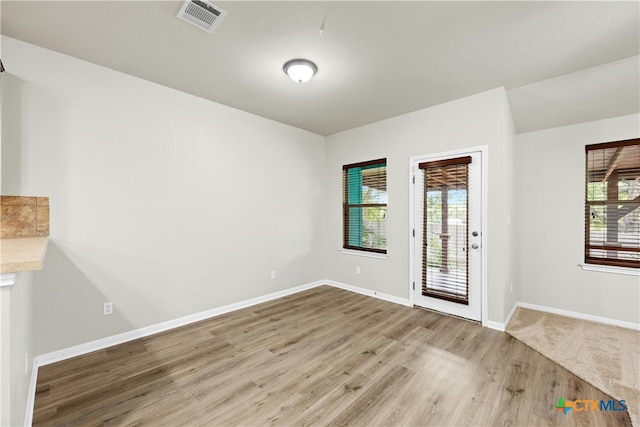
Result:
[[10, 141], [22, 344], [607, 90], [149, 191], [473, 121], [17, 344], [5, 359], [512, 290], [550, 207], [161, 202]]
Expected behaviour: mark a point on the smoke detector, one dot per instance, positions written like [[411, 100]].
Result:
[[202, 14]]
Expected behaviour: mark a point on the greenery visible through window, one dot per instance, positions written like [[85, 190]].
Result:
[[612, 206], [364, 187]]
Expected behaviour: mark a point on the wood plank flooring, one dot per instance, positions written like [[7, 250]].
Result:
[[321, 357]]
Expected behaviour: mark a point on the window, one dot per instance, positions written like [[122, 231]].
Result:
[[445, 258], [364, 189], [612, 207]]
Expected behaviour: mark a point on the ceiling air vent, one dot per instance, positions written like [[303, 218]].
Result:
[[203, 14]]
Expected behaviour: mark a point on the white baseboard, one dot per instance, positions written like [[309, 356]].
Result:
[[494, 325], [79, 350], [100, 344], [369, 292], [582, 316], [510, 315], [501, 326], [103, 343], [605, 320]]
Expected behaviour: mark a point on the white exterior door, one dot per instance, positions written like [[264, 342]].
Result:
[[447, 233]]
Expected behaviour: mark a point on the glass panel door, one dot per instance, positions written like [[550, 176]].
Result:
[[445, 263], [447, 247]]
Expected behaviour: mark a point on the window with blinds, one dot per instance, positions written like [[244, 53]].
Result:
[[364, 189], [612, 207], [445, 258]]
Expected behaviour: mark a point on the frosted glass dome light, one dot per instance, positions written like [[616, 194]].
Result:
[[300, 70]]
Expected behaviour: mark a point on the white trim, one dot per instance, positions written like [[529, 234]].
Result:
[[364, 254], [484, 311], [494, 325], [370, 293], [511, 313], [31, 394], [100, 344], [412, 227], [582, 316], [8, 279], [491, 324], [610, 269], [78, 350], [412, 230], [484, 279]]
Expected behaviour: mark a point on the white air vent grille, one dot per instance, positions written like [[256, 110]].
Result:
[[202, 14]]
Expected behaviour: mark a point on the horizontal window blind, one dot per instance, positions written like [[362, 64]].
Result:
[[612, 206], [364, 187], [445, 257]]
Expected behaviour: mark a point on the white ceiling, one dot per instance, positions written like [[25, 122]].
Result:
[[376, 59]]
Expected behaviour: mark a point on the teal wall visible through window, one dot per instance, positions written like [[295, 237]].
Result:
[[365, 206], [354, 196]]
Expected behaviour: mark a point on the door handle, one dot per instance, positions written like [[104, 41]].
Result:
[[474, 234]]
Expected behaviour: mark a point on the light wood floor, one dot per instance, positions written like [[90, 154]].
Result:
[[320, 357]]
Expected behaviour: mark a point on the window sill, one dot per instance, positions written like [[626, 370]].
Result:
[[364, 254], [610, 269]]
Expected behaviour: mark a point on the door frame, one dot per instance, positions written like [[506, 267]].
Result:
[[484, 150]]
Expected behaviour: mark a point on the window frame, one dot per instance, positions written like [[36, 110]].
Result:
[[346, 246], [595, 262]]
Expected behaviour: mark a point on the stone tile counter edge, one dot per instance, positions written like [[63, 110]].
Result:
[[22, 254]]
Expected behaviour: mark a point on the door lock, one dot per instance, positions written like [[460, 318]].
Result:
[[475, 246]]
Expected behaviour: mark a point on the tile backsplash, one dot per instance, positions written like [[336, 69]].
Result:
[[24, 216]]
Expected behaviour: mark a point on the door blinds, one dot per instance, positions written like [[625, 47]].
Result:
[[445, 260]]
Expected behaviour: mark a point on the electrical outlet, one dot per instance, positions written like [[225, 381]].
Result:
[[107, 308], [357, 269], [273, 274]]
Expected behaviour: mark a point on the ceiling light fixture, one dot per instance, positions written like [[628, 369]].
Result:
[[300, 70]]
